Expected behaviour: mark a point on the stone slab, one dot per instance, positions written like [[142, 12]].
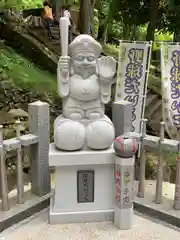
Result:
[[28, 139], [18, 212], [83, 157], [163, 211], [11, 144], [157, 213]]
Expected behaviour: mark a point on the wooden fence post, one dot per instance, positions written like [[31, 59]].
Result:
[[141, 186], [177, 186], [20, 180], [122, 117], [3, 175], [159, 169]]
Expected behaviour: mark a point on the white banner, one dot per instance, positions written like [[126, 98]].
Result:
[[133, 67], [170, 75]]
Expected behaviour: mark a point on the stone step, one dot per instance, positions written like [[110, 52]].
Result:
[[154, 107], [151, 98], [55, 32]]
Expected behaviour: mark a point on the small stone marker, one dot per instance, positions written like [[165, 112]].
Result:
[[125, 149], [124, 177]]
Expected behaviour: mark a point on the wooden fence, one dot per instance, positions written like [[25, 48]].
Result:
[[159, 145]]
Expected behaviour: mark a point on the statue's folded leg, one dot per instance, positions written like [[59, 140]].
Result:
[[100, 134], [94, 114], [69, 135], [73, 113]]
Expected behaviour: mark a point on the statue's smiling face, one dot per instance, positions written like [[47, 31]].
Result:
[[84, 64]]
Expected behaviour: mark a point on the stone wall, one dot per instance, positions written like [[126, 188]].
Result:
[[12, 96]]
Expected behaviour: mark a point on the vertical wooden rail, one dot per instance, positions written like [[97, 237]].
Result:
[[20, 182], [176, 204], [3, 175], [159, 170], [141, 186]]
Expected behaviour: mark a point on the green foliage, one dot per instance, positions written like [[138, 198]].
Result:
[[111, 50], [95, 13], [20, 4], [115, 30], [141, 32], [160, 37], [126, 17], [96, 24], [171, 158], [132, 12], [24, 73]]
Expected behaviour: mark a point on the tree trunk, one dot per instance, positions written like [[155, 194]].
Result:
[[91, 17], [105, 35], [126, 31], [152, 20], [84, 15], [134, 32], [104, 27]]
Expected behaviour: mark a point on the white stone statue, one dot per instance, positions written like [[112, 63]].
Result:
[[84, 84]]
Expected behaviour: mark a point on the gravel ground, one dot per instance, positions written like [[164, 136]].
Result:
[[37, 228]]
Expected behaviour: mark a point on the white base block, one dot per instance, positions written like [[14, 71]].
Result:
[[65, 207], [80, 158], [123, 218], [79, 217]]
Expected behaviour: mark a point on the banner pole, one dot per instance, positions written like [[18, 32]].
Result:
[[145, 91], [117, 93]]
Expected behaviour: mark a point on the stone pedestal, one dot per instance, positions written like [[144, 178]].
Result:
[[84, 186]]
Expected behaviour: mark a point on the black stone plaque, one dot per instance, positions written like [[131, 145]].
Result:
[[85, 186]]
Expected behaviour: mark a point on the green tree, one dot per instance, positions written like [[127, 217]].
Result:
[[170, 19]]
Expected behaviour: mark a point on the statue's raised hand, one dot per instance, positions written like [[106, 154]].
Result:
[[107, 68], [64, 67]]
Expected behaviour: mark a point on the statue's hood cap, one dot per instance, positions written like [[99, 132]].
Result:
[[83, 43]]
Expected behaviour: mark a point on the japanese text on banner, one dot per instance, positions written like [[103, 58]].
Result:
[[175, 87], [134, 72]]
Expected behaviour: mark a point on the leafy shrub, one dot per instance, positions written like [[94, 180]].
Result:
[[20, 4], [160, 37]]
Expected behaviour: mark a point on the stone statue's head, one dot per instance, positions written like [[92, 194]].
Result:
[[84, 52]]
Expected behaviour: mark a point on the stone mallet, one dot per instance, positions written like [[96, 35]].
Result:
[[64, 31]]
